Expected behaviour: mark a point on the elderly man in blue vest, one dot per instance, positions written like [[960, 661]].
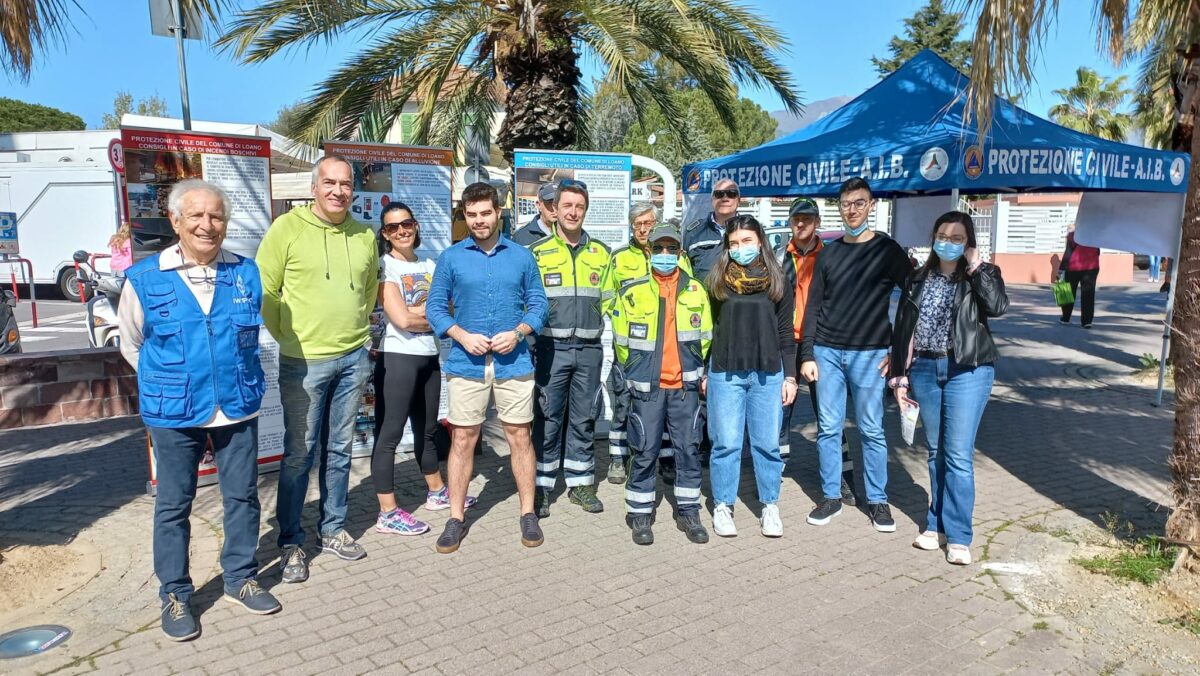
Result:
[[189, 319]]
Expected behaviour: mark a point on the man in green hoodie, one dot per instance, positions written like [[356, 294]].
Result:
[[320, 274]]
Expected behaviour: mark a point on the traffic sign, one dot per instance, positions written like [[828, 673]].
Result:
[[116, 155], [8, 233]]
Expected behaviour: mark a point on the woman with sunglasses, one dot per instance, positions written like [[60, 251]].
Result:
[[943, 352], [752, 371], [408, 377]]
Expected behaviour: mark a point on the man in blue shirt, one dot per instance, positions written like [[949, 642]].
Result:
[[496, 291]]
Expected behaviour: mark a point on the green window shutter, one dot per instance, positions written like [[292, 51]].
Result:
[[407, 122]]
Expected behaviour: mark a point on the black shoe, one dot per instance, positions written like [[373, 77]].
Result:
[[848, 498], [881, 518], [541, 503], [531, 532], [825, 511], [585, 497], [253, 598], [690, 524], [178, 623], [616, 470], [666, 466], [292, 564], [451, 537], [642, 535]]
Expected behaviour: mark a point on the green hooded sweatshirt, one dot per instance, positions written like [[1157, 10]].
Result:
[[319, 284]]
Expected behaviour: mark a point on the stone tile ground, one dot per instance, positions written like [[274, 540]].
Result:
[[1066, 431]]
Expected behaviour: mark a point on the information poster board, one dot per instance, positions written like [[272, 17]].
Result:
[[155, 160], [416, 175], [607, 176]]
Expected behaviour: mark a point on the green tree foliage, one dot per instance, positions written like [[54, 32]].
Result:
[[931, 27], [123, 103], [284, 123], [1090, 106], [20, 116]]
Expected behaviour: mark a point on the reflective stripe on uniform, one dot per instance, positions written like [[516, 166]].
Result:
[[681, 492], [634, 496], [560, 291], [587, 333], [704, 242], [558, 333], [547, 467], [578, 466], [618, 339], [687, 336], [693, 375], [641, 345], [587, 480]]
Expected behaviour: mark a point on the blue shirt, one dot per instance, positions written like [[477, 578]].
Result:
[[491, 292]]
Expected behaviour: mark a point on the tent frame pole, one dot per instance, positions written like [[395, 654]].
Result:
[[1166, 337]]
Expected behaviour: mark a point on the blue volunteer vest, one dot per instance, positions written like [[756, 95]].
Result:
[[189, 363]]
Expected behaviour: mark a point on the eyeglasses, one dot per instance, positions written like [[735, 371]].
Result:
[[407, 224], [957, 239], [664, 248], [207, 275], [856, 205], [572, 183], [725, 194], [644, 223]]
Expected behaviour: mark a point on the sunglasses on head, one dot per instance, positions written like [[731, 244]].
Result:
[[725, 194], [406, 224], [572, 183]]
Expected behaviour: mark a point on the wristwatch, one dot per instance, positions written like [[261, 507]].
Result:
[[520, 335]]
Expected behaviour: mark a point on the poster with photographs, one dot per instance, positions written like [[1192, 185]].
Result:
[[607, 176], [155, 160]]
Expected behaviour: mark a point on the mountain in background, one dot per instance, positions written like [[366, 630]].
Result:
[[814, 111]]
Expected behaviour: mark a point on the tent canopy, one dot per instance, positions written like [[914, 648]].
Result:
[[907, 136]]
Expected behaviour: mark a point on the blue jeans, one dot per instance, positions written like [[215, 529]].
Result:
[[734, 398], [320, 405], [1153, 268], [857, 371], [177, 454], [952, 398]]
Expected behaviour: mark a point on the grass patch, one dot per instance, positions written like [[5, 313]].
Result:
[[1189, 622], [1145, 561], [1041, 625]]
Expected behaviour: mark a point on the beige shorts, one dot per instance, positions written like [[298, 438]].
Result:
[[469, 398]]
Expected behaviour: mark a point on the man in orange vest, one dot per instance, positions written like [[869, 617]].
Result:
[[798, 258]]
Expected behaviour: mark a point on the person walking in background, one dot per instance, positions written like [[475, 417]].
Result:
[[408, 376], [942, 352], [199, 380], [492, 286], [662, 328], [632, 263], [1080, 266], [1152, 270], [121, 246], [845, 349], [569, 354], [320, 272], [752, 371]]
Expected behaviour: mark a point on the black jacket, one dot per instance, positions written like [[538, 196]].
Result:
[[979, 296]]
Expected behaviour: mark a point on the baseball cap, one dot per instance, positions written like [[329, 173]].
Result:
[[547, 191], [663, 231], [804, 205]]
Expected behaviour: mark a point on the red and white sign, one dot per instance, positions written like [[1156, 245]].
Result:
[[116, 155]]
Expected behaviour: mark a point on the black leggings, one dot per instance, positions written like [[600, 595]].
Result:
[[1083, 287], [407, 388]]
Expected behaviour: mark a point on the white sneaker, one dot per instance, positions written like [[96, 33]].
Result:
[[723, 521], [772, 525], [928, 541], [959, 555]]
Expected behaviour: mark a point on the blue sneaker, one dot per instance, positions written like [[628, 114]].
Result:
[[438, 500], [253, 598], [399, 522], [178, 623]]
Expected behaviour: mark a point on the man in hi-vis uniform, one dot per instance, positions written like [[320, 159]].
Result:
[[574, 270]]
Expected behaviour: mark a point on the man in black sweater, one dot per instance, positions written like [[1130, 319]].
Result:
[[846, 338]]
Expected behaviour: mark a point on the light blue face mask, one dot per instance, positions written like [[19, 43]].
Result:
[[664, 263], [744, 255], [948, 251], [855, 232]]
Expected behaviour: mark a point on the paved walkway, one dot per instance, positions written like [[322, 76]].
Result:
[[1066, 432]]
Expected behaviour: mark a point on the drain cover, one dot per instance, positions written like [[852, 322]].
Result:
[[32, 640]]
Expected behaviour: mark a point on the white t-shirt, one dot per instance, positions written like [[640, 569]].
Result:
[[414, 280]]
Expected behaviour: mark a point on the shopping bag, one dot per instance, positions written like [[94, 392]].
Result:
[[1062, 293], [909, 414]]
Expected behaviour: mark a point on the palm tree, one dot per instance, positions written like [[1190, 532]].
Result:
[[30, 27], [1008, 35], [1090, 106], [463, 60]]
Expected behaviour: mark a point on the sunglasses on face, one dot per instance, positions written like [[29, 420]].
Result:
[[572, 183], [725, 194], [664, 248], [407, 224]]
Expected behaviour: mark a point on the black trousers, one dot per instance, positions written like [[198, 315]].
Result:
[[408, 388], [1083, 287]]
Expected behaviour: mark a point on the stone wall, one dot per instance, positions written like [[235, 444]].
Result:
[[67, 386]]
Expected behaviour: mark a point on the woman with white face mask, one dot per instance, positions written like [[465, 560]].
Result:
[[752, 371], [942, 351]]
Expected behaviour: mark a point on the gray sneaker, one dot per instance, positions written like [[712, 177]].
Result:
[[293, 564], [342, 545]]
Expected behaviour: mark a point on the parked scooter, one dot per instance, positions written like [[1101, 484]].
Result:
[[10, 335], [102, 327]]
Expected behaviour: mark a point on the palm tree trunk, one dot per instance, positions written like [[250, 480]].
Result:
[[1184, 521], [543, 106]]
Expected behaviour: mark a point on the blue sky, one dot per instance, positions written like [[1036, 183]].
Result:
[[829, 56]]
